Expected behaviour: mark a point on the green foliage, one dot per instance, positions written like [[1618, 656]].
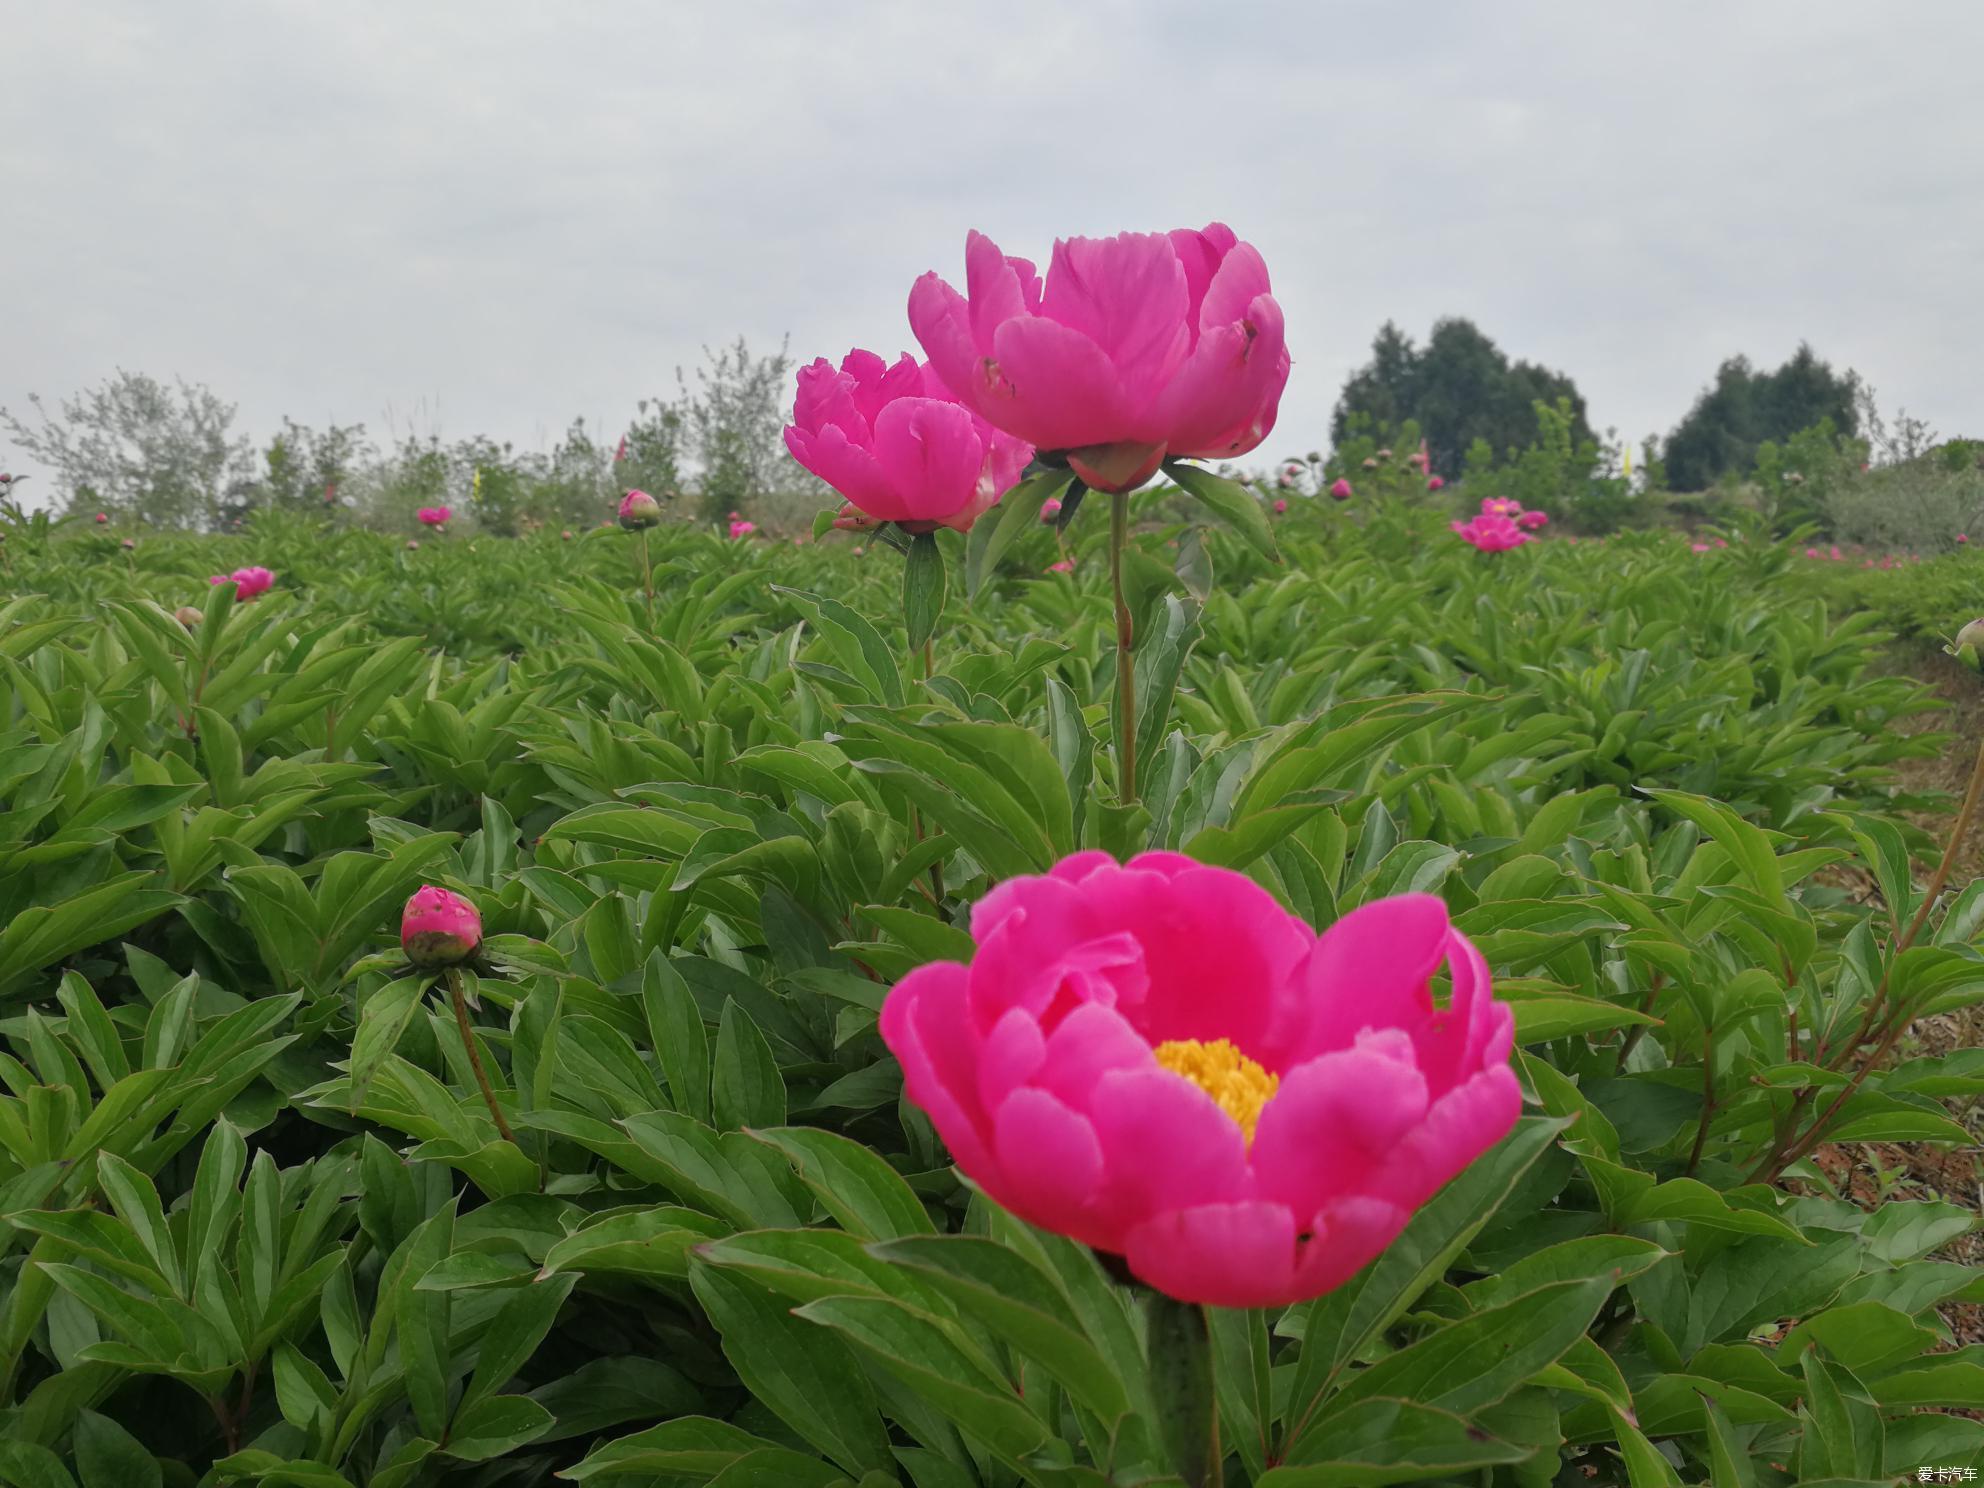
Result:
[[258, 1225], [1459, 387], [1744, 407]]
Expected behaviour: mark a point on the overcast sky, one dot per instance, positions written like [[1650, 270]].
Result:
[[489, 217]]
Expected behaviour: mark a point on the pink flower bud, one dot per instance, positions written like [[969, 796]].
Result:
[[566, 535], [187, 616], [1434, 483], [412, 543], [128, 545], [102, 517], [1066, 565], [1050, 509], [1962, 537], [1340, 491], [1370, 464], [1384, 454], [638, 509], [439, 928], [1280, 508]]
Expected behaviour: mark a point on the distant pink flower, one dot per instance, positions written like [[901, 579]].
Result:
[[439, 928], [1491, 533], [1811, 552], [859, 551], [1434, 483], [566, 535], [433, 516], [1285, 480], [1280, 507], [1138, 348], [1050, 509], [1722, 542], [1340, 490], [898, 445], [621, 453], [1500, 506], [102, 517], [1962, 537], [1532, 521], [1066, 565], [742, 529], [1159, 1061], [248, 582], [1835, 555], [1370, 463], [1700, 547]]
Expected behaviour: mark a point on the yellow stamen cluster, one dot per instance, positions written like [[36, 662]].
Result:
[[1239, 1085]]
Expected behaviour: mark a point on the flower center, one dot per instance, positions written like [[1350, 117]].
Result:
[[1238, 1084]]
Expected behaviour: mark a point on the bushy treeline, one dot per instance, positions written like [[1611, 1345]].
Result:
[[169, 456]]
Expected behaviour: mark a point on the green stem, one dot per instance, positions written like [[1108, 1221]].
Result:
[[1126, 668], [1181, 1383], [647, 579], [454, 978]]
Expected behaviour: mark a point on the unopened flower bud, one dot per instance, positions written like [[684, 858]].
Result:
[[638, 509], [438, 928], [1340, 491], [187, 616]]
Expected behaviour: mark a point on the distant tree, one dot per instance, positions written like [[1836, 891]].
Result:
[[160, 453], [731, 425], [1745, 407], [1459, 388], [302, 468]]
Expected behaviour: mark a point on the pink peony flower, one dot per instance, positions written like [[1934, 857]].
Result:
[[438, 928], [1962, 537], [433, 516], [1811, 552], [1161, 1062], [1280, 507], [1340, 491], [638, 509], [248, 582], [1835, 554], [898, 445], [102, 517], [1500, 506], [1050, 509], [1722, 542], [1699, 547], [1532, 521], [1138, 348], [1491, 534], [1066, 565], [742, 529], [1434, 483]]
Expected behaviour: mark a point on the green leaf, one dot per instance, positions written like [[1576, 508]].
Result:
[[1018, 512], [1376, 1442], [491, 1427], [689, 1446], [746, 1088], [802, 1373], [917, 1350], [513, 1337], [1016, 1300], [922, 588], [1231, 502], [1483, 1358], [681, 1041], [108, 1456], [382, 1018], [863, 1193]]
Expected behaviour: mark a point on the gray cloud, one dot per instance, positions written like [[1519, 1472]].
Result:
[[498, 215]]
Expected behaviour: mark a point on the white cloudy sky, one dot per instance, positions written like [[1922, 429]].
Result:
[[491, 216]]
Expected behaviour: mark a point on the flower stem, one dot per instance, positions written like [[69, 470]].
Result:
[[647, 579], [1126, 668], [454, 977], [1181, 1382]]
